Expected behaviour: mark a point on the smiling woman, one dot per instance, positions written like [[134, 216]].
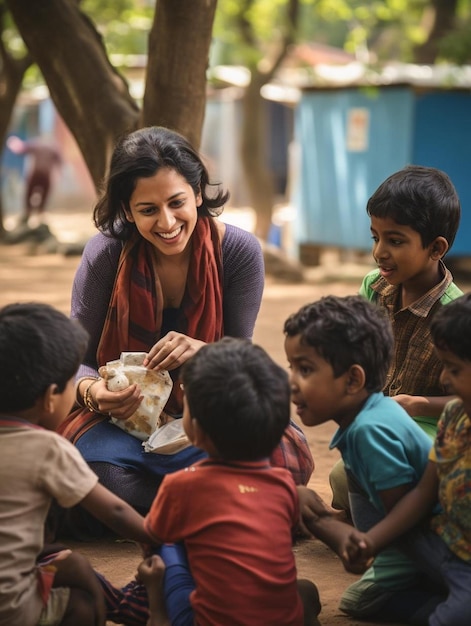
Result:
[[164, 209], [163, 277]]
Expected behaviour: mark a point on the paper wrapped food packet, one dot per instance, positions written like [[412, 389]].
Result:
[[168, 438], [155, 387]]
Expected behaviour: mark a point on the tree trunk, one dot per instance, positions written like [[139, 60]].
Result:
[[11, 79], [444, 12], [175, 94], [92, 98], [254, 132], [254, 155]]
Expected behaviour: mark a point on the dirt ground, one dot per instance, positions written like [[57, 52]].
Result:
[[27, 273]]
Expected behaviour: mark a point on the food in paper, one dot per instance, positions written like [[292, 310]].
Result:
[[155, 386], [168, 438]]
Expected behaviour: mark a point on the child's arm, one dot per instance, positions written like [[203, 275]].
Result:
[[425, 406], [339, 536], [406, 513], [356, 548], [116, 514], [310, 504], [312, 510], [409, 511], [403, 514]]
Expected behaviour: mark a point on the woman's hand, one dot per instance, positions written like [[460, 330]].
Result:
[[172, 351], [118, 404]]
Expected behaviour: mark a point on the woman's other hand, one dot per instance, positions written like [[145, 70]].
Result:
[[172, 351]]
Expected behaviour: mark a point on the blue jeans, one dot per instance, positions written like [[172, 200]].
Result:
[[433, 556], [178, 584]]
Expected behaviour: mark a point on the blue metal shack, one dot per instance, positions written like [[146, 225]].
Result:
[[351, 138]]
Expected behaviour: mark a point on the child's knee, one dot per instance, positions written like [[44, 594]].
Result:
[[82, 609], [339, 485], [74, 570]]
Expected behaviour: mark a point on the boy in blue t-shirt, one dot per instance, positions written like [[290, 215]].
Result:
[[443, 546], [339, 351]]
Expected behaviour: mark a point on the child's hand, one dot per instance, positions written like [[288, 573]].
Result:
[[148, 549], [355, 552], [148, 567], [412, 404]]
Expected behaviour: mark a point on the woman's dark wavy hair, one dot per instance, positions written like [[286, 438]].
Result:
[[450, 327], [423, 198], [39, 347], [346, 331], [239, 396], [141, 154]]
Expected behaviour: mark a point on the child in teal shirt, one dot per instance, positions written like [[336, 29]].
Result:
[[442, 546]]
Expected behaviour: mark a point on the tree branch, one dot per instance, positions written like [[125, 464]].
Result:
[[89, 94]]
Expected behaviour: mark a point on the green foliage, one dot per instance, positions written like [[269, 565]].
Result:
[[244, 29], [12, 41], [389, 28], [124, 24], [456, 47]]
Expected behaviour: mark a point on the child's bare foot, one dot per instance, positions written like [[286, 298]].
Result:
[[150, 573]]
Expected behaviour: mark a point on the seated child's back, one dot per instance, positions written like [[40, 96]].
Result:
[[234, 512]]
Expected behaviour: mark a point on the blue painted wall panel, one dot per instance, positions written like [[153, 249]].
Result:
[[336, 181], [442, 139]]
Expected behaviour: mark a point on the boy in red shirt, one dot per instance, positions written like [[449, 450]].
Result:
[[233, 512]]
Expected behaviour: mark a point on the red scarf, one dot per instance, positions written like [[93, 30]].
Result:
[[134, 319]]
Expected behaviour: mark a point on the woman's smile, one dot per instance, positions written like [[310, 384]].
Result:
[[164, 209], [172, 234]]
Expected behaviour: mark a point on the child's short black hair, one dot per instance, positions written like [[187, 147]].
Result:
[[423, 198], [346, 331], [39, 346], [451, 327], [239, 396]]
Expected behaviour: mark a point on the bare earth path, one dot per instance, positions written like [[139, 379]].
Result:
[[26, 275]]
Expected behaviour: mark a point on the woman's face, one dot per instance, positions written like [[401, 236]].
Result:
[[164, 210]]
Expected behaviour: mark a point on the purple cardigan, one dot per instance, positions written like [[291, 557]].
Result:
[[243, 284]]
